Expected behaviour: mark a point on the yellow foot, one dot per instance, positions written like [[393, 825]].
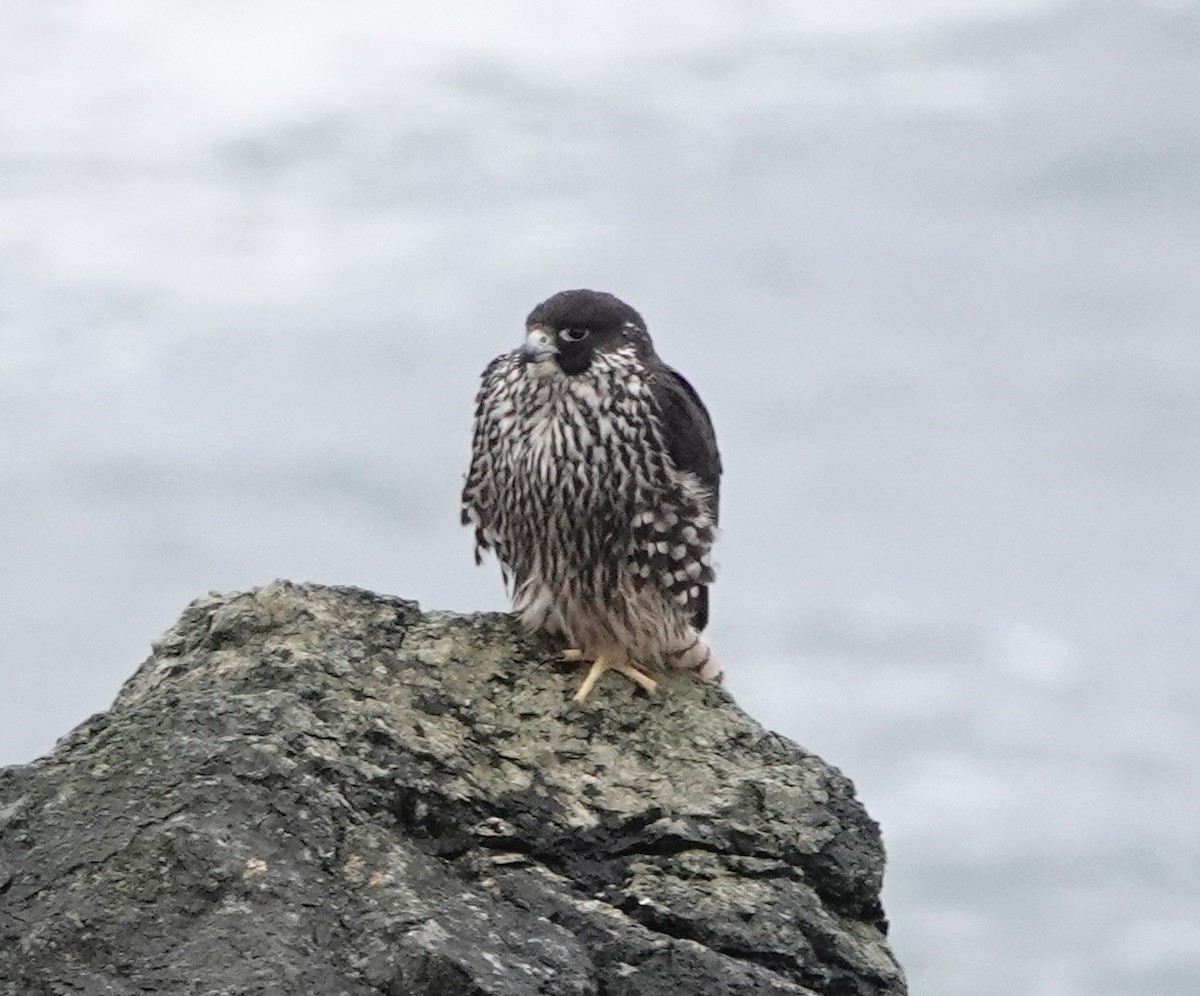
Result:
[[572, 654], [600, 665]]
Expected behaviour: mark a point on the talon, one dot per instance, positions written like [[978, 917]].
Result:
[[600, 665]]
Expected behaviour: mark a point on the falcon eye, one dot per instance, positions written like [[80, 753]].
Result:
[[573, 335]]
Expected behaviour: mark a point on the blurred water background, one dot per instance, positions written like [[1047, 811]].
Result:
[[935, 267]]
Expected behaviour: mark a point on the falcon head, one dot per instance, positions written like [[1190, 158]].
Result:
[[571, 327]]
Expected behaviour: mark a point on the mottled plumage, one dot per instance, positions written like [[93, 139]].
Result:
[[595, 478]]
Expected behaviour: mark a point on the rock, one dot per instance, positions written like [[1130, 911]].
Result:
[[322, 791]]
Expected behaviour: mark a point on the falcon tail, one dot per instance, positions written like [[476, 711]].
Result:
[[699, 659]]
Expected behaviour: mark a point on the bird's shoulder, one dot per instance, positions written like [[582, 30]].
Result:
[[497, 368], [494, 384], [687, 426]]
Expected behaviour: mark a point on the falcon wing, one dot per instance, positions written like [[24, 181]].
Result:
[[478, 492], [688, 431], [692, 443]]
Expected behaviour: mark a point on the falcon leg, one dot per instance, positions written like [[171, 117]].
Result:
[[602, 664], [572, 654]]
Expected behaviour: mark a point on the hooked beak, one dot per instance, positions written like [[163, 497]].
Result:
[[538, 345]]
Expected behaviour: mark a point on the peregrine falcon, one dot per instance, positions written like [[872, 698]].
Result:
[[595, 479]]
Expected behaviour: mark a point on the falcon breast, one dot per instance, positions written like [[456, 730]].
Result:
[[595, 479]]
